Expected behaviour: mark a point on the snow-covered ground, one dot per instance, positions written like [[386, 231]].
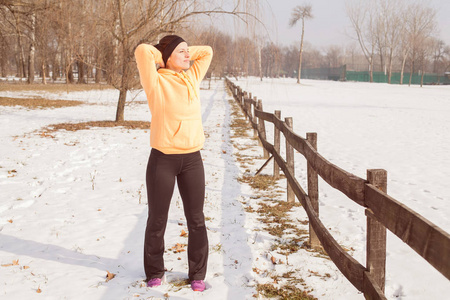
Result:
[[73, 207], [404, 130]]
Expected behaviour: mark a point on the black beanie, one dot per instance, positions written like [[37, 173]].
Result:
[[167, 44]]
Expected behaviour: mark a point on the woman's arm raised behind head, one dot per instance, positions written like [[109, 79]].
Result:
[[147, 57], [202, 56]]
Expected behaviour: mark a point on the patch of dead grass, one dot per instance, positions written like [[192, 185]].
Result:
[[278, 230], [46, 131], [37, 103], [259, 182], [52, 87], [277, 211], [287, 291]]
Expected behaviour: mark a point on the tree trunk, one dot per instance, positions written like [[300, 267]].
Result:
[[69, 62], [411, 70], [98, 66], [21, 63], [81, 69], [3, 61], [423, 72], [80, 62], [390, 66], [98, 74], [69, 70], [371, 69], [121, 105], [44, 76], [124, 83], [31, 56], [125, 66], [382, 67], [403, 68], [301, 52], [260, 63], [56, 66], [21, 60]]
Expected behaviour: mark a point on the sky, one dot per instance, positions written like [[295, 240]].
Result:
[[330, 24]]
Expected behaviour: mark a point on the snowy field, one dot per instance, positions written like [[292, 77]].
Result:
[[404, 130], [73, 207]]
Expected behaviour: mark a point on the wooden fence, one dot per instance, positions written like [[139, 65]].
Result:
[[382, 211]]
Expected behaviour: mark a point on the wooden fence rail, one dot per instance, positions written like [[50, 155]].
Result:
[[382, 211]]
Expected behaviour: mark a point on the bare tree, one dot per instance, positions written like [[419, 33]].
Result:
[[16, 22], [404, 43], [289, 60], [446, 59], [23, 18], [333, 56], [271, 60], [135, 21], [301, 12], [220, 42], [389, 26], [421, 23], [362, 17], [439, 56]]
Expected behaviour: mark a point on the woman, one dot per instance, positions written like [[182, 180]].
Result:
[[176, 137]]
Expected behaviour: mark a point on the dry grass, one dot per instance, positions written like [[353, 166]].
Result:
[[287, 291], [240, 128], [289, 246], [42, 103], [260, 182], [54, 87], [238, 123], [278, 211], [88, 125], [37, 103], [279, 230], [179, 284]]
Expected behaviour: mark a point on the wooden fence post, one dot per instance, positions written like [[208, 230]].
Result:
[[276, 144], [262, 128], [240, 95], [259, 123], [376, 233], [244, 105], [313, 190], [248, 107], [290, 161], [239, 98], [255, 119]]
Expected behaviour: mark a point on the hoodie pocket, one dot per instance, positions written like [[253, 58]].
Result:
[[189, 134]]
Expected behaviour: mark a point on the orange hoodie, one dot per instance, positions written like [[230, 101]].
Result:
[[173, 99]]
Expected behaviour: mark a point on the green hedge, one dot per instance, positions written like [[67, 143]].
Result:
[[395, 79]]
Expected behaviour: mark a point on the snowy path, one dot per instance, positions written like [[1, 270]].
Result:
[[73, 207]]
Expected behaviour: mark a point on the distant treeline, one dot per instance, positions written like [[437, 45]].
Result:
[[93, 41]]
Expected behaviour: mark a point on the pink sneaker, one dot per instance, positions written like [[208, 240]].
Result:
[[154, 282], [198, 285]]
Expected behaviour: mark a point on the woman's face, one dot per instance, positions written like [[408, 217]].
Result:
[[180, 58]]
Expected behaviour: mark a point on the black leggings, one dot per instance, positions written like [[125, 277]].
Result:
[[162, 169]]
